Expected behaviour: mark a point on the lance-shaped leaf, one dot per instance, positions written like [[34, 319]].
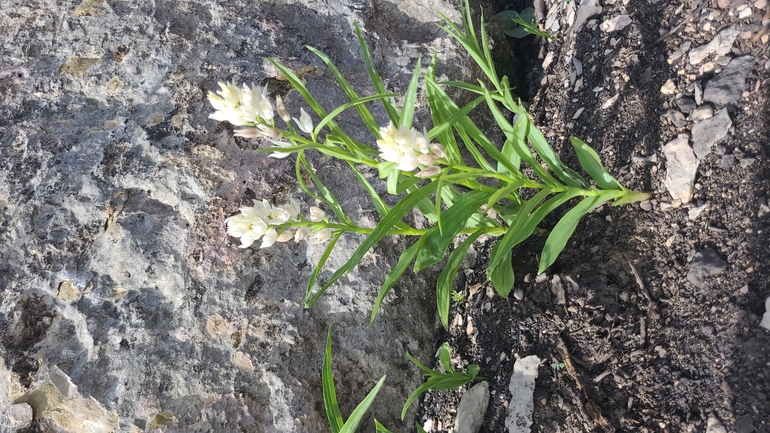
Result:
[[591, 163], [394, 275], [446, 279]]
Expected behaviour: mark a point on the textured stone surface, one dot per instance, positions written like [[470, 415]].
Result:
[[706, 263], [681, 166], [472, 408], [707, 133], [728, 86], [114, 187], [522, 388]]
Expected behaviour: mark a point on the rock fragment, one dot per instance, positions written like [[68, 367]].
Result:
[[681, 166], [727, 87], [472, 408], [706, 263], [681, 51], [586, 10], [720, 45], [615, 23], [668, 88], [522, 387], [702, 113], [765, 323], [707, 133], [20, 415], [714, 426]]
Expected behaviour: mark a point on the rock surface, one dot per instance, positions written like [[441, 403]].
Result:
[[728, 86], [706, 263], [522, 387], [114, 187], [681, 166], [472, 408], [707, 133]]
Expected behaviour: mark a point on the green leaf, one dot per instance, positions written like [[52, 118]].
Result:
[[321, 262], [501, 274], [455, 220], [446, 279], [420, 429], [380, 428], [591, 163], [385, 168], [330, 397], [428, 370], [386, 223], [366, 116], [355, 418], [511, 28], [429, 384], [394, 275], [407, 112], [546, 153], [473, 370], [376, 80], [563, 230], [329, 198], [444, 357], [355, 103]]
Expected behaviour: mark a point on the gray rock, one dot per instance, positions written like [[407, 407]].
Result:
[[703, 112], [705, 263], [586, 10], [681, 166], [744, 424], [522, 388], [727, 87], [714, 426], [676, 118], [707, 133], [765, 323], [472, 408], [114, 187], [686, 105], [720, 45], [728, 161]]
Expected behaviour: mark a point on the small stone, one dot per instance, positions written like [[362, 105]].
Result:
[[728, 86], [615, 24], [760, 4], [578, 66], [746, 162], [713, 426], [676, 118], [20, 415], [557, 288], [728, 161], [702, 113], [745, 13], [709, 132], [472, 408], [744, 424], [686, 105], [669, 88], [518, 294], [243, 362], [765, 323], [646, 205], [695, 212], [681, 166], [548, 60], [698, 92], [522, 387], [578, 113], [215, 325], [707, 329], [720, 45], [676, 55], [706, 263], [587, 9], [610, 102]]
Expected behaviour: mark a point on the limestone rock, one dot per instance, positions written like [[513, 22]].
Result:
[[472, 408], [707, 133], [706, 263], [681, 166], [115, 182], [522, 387], [727, 86]]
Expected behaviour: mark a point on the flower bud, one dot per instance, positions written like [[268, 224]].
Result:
[[321, 236], [438, 150], [248, 132], [427, 159], [282, 111], [301, 233], [317, 214], [429, 172], [285, 236], [305, 122]]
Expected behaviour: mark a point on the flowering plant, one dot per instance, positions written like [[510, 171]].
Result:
[[463, 196]]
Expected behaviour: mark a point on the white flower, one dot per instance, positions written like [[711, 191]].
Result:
[[241, 107], [317, 214], [408, 147], [269, 238], [280, 155], [321, 236], [301, 233], [292, 208], [305, 123], [246, 226]]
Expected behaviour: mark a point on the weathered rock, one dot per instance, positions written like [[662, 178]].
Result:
[[615, 23], [681, 166], [706, 263], [714, 426], [114, 187], [586, 10], [765, 323], [702, 113], [727, 87], [720, 45], [522, 388], [472, 408], [709, 132]]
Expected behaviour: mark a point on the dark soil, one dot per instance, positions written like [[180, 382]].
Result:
[[651, 352]]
